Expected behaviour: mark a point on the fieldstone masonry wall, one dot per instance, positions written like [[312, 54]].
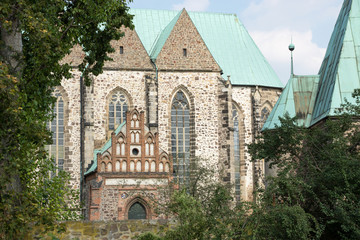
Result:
[[262, 98], [132, 83], [185, 36], [251, 101], [201, 90], [243, 98], [133, 55], [224, 124], [71, 89], [152, 101], [122, 230]]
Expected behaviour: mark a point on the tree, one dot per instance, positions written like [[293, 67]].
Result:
[[203, 209], [315, 194], [318, 178], [35, 36]]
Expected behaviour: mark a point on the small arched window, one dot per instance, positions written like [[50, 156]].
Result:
[[236, 121], [118, 105], [137, 211], [264, 115], [56, 126], [180, 137]]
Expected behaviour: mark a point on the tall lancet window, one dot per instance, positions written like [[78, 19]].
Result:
[[180, 137], [56, 149], [236, 120], [118, 105]]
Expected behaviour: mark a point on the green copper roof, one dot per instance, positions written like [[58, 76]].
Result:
[[297, 99], [338, 77], [340, 70], [162, 37], [106, 146], [224, 35]]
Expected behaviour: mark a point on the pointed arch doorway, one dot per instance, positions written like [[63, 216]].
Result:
[[137, 211]]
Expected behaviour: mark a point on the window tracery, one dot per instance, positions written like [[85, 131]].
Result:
[[56, 126], [236, 136], [118, 105], [180, 137]]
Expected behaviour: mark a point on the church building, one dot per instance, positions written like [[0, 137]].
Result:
[[182, 87]]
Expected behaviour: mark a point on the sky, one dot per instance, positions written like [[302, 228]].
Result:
[[272, 24]]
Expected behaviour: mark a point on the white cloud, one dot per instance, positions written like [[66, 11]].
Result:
[[193, 5], [290, 13], [274, 45], [271, 23]]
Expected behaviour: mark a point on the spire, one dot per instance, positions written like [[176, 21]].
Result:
[[340, 70], [291, 48]]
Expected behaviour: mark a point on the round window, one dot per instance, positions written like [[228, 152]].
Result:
[[135, 151]]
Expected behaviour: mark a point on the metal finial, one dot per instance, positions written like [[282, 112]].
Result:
[[292, 48]]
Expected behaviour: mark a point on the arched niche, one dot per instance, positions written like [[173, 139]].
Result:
[[137, 211], [137, 208]]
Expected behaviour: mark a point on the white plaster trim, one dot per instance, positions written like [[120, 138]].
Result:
[[134, 181]]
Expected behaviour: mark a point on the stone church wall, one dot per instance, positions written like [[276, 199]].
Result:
[[202, 92], [242, 97], [251, 101], [71, 94], [210, 115]]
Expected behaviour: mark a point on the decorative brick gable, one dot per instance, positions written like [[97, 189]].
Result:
[[128, 170]]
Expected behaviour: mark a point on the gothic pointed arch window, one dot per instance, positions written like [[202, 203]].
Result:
[[237, 157], [56, 126], [137, 211], [264, 115], [118, 105], [180, 137]]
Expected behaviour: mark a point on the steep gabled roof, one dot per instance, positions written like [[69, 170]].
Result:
[[224, 35], [338, 77], [340, 70]]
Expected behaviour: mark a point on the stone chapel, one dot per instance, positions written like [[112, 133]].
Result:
[[182, 86]]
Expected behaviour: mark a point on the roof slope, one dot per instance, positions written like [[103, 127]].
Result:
[[340, 70], [162, 37], [296, 100], [104, 148], [338, 77], [224, 35]]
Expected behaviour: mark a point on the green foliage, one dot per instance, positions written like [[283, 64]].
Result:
[[149, 236], [315, 194], [281, 222], [29, 70], [317, 182], [204, 209]]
